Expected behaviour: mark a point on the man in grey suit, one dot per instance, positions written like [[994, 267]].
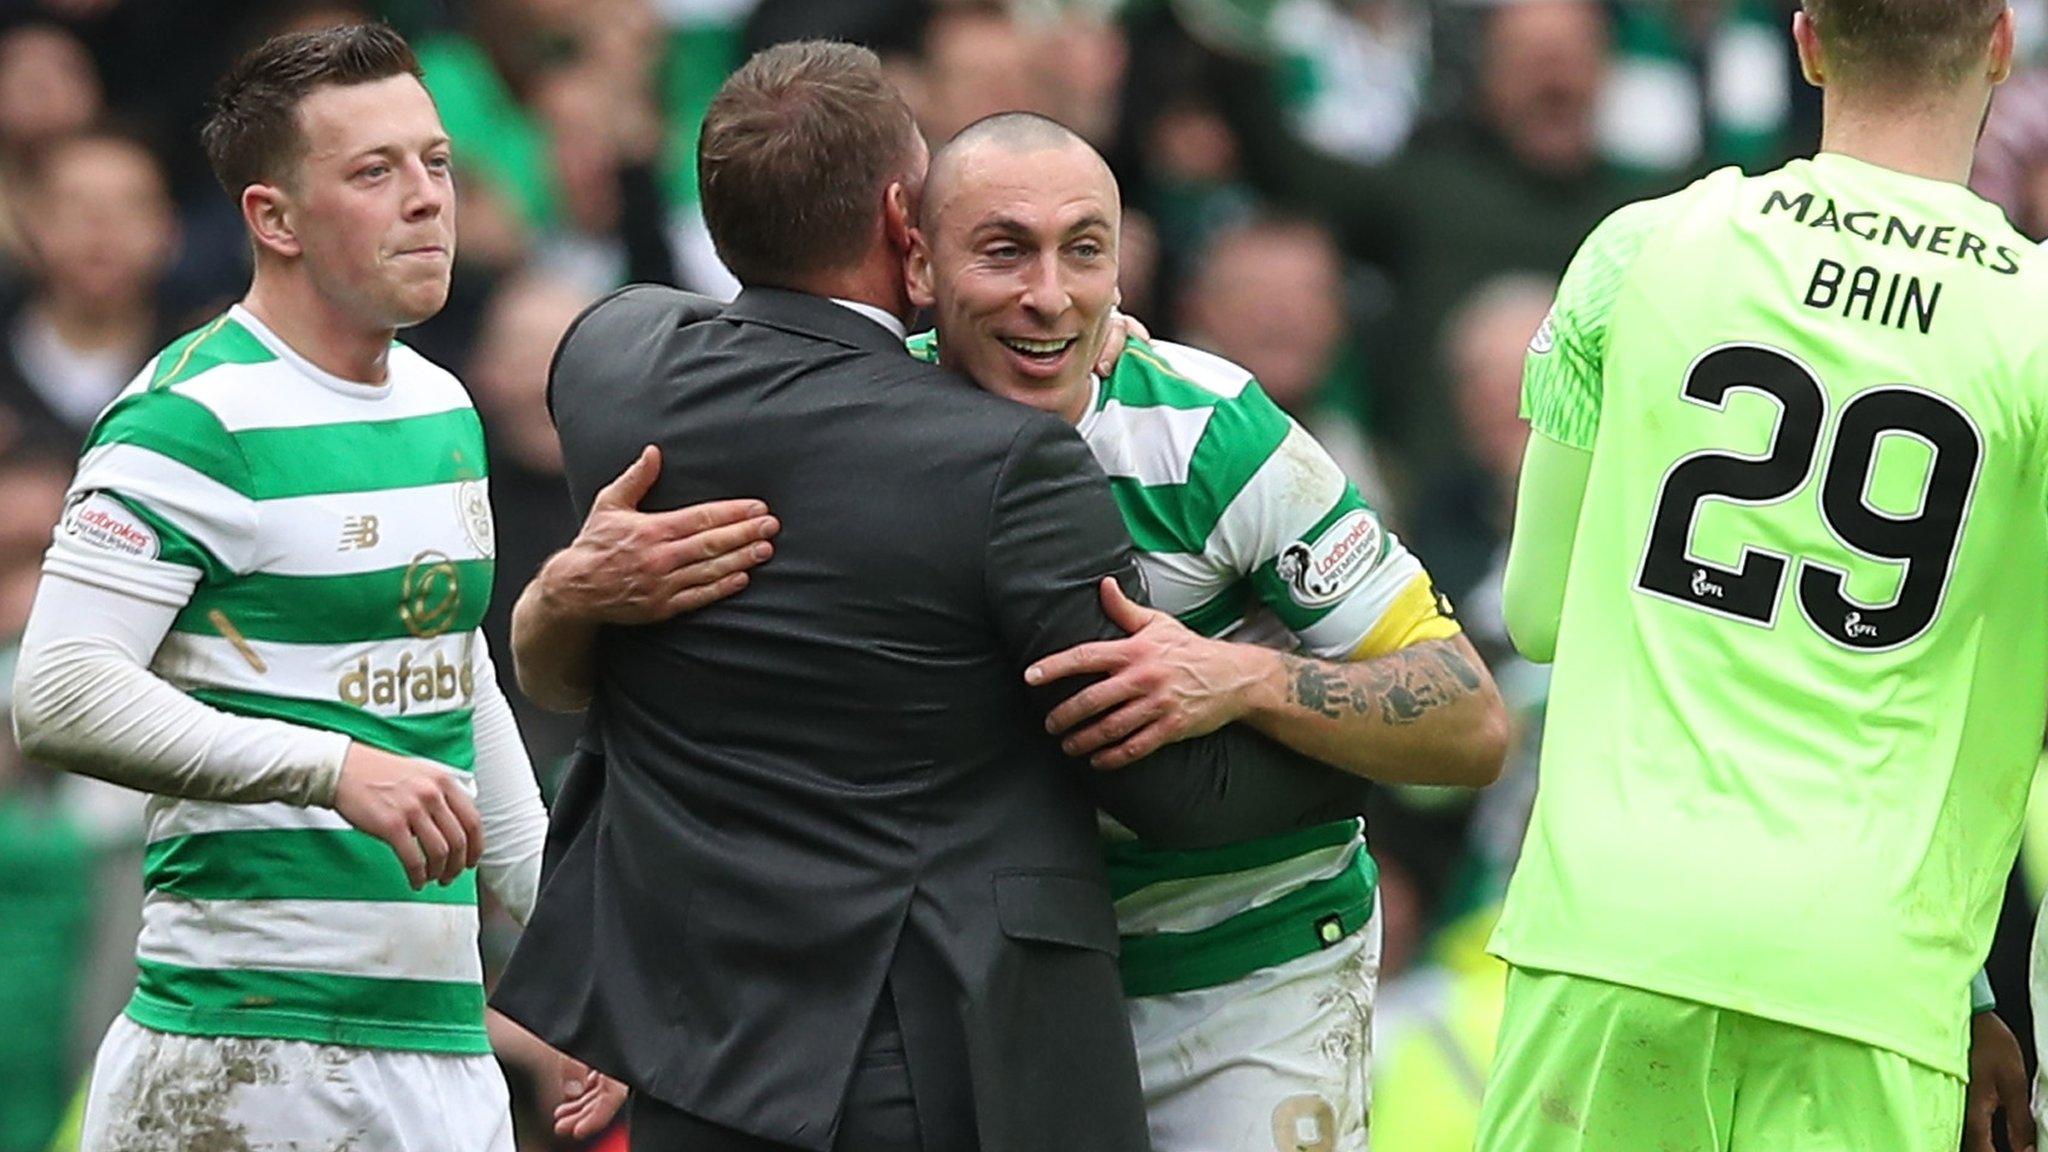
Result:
[[832, 886]]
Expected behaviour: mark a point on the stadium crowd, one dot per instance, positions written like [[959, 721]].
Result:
[[1365, 202]]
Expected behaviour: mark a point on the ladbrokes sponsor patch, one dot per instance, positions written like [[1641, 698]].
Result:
[[1324, 570], [97, 520]]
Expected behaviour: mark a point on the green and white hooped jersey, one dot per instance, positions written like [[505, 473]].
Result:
[[1245, 529], [342, 537]]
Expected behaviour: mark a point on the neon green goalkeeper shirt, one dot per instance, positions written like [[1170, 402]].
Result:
[[1803, 655]]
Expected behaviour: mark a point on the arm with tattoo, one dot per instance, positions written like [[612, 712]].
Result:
[[1401, 688], [1425, 714]]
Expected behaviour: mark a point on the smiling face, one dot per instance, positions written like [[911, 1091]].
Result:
[[1017, 259], [370, 204]]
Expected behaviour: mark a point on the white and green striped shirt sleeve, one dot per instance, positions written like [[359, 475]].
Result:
[[1235, 505]]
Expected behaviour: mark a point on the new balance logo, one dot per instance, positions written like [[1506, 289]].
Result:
[[359, 532]]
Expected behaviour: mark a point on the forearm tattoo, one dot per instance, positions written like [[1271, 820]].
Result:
[[1403, 687]]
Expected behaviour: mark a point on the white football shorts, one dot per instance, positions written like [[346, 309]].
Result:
[[1279, 1061], [162, 1092]]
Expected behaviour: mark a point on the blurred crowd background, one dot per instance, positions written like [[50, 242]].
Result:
[[1365, 202]]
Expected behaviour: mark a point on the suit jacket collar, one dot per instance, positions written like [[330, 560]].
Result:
[[808, 315]]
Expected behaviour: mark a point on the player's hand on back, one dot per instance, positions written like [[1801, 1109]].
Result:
[[1162, 683], [417, 807], [589, 1100], [627, 566], [1998, 1082]]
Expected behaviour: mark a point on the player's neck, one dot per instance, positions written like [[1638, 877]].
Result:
[[1935, 140], [1069, 402], [314, 328], [1072, 401]]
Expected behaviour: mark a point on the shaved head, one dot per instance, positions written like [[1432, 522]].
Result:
[[1015, 253], [1005, 133]]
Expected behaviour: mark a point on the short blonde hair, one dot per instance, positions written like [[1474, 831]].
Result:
[[1907, 44]]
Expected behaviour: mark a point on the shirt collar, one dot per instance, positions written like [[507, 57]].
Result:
[[1094, 408], [873, 313], [290, 355]]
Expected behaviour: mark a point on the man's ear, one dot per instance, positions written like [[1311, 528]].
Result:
[[899, 216], [917, 270], [1807, 42], [2004, 36], [267, 210]]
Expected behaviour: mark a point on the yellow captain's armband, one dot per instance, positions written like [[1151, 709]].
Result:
[[1419, 612]]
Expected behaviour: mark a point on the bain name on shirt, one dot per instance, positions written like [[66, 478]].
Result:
[[1855, 293]]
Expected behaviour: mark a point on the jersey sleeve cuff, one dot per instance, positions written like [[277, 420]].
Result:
[[1559, 405], [329, 751], [1981, 997]]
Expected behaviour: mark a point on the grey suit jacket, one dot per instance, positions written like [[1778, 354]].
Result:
[[838, 778]]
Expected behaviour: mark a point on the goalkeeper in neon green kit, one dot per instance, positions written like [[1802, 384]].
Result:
[[1792, 452]]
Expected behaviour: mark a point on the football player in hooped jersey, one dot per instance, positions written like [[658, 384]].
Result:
[[1801, 655], [1261, 957], [1250, 968], [261, 606]]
